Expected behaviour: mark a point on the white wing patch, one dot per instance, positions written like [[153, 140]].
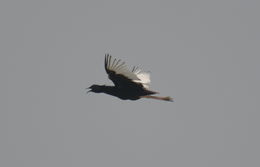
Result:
[[144, 78]]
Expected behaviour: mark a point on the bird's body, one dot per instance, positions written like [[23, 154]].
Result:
[[123, 93], [129, 85]]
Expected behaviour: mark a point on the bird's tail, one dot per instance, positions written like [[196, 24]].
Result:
[[168, 98]]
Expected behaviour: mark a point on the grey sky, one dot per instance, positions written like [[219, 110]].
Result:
[[205, 54]]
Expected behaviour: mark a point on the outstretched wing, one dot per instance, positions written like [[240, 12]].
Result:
[[122, 77]]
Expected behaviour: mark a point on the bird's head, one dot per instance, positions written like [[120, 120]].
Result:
[[95, 88]]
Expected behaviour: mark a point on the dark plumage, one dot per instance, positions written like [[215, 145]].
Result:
[[129, 85]]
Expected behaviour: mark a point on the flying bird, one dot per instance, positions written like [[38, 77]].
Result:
[[128, 84]]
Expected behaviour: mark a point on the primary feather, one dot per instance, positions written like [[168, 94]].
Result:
[[112, 64]]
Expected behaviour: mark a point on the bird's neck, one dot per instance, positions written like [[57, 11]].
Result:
[[108, 89]]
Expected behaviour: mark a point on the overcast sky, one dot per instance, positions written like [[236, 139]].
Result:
[[205, 54]]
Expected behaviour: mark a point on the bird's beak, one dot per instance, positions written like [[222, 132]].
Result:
[[89, 90]]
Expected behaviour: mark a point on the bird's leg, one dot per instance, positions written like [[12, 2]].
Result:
[[168, 98]]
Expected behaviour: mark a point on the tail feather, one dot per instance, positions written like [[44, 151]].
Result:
[[168, 98]]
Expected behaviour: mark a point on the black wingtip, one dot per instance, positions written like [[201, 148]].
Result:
[[106, 60]]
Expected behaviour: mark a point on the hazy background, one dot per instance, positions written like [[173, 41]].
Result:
[[203, 53]]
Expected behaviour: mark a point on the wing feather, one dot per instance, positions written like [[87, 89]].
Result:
[[122, 77]]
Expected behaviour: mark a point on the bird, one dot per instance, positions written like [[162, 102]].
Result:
[[128, 84]]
